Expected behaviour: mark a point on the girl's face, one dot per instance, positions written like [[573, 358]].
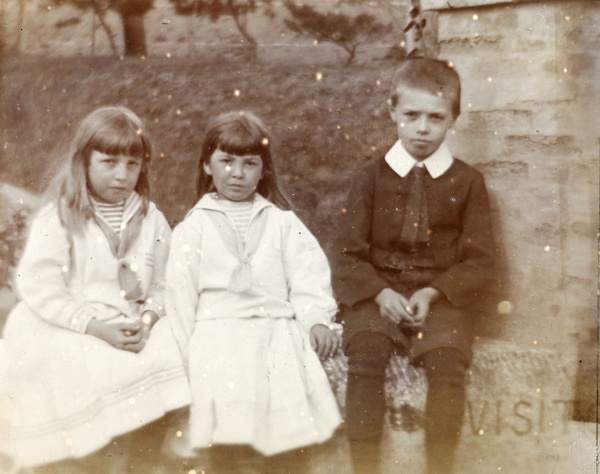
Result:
[[235, 177], [113, 177]]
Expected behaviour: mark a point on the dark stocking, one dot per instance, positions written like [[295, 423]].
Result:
[[368, 356], [446, 369]]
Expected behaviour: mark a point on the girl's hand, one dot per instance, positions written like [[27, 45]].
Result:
[[324, 341], [120, 335], [149, 319]]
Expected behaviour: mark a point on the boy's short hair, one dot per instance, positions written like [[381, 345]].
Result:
[[432, 75]]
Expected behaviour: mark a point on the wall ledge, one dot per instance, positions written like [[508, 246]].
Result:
[[448, 5]]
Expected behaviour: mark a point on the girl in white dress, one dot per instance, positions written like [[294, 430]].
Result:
[[249, 298], [86, 354]]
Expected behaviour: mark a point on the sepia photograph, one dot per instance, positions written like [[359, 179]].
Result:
[[299, 236]]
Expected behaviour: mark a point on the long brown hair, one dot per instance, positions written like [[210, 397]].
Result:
[[240, 134], [109, 130]]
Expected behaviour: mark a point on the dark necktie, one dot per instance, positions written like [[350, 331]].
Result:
[[415, 229]]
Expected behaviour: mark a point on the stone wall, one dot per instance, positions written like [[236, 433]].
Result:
[[529, 71]]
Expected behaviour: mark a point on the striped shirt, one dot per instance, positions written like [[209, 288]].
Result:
[[118, 214], [239, 213]]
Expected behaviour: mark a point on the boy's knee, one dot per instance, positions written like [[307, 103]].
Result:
[[369, 353], [445, 365]]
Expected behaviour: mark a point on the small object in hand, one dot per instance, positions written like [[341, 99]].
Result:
[[127, 332], [409, 310]]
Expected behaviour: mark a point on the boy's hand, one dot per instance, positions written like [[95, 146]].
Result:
[[420, 302], [123, 336], [324, 341], [394, 306]]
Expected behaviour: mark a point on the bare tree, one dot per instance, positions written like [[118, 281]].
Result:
[[132, 14], [342, 30], [238, 10], [99, 12]]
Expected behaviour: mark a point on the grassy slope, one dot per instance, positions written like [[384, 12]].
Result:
[[322, 129]]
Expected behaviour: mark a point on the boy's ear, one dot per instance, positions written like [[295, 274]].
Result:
[[452, 122], [207, 169], [392, 110]]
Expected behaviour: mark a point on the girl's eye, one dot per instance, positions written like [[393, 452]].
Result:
[[437, 118], [252, 163]]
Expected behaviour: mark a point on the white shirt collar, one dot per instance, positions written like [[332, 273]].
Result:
[[402, 162], [209, 201]]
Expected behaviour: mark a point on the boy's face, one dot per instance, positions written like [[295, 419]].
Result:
[[422, 120]]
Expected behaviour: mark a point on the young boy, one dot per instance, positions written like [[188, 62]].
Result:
[[415, 248]]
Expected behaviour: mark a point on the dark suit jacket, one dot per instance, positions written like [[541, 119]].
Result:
[[370, 256]]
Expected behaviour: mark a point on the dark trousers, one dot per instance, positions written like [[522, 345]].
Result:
[[368, 356]]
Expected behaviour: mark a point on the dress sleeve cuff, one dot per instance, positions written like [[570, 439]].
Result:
[[308, 321], [151, 305], [79, 321]]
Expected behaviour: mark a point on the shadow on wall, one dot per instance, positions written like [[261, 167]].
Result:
[[494, 304], [586, 382]]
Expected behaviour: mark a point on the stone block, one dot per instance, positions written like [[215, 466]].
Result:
[[580, 257], [525, 118], [500, 367], [579, 218], [480, 94], [506, 121], [452, 4], [541, 150], [530, 27], [581, 300], [475, 146]]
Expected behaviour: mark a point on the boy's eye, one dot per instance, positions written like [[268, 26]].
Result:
[[437, 118], [411, 115]]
